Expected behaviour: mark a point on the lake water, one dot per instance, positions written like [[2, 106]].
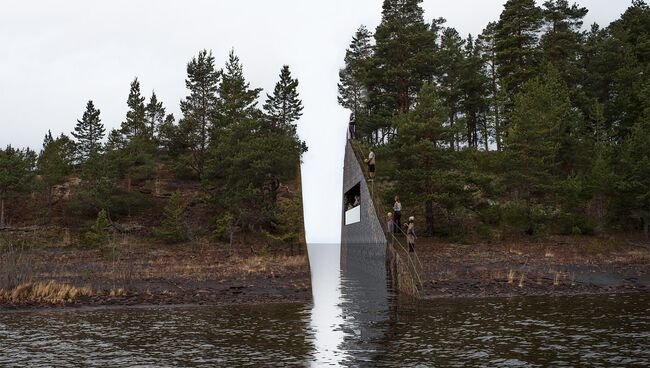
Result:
[[355, 320]]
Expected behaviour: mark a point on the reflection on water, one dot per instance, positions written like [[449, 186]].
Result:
[[326, 319], [354, 321]]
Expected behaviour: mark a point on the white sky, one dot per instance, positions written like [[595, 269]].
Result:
[[56, 55]]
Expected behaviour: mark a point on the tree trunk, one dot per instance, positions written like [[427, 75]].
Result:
[[128, 179], [428, 218], [2, 212], [49, 197]]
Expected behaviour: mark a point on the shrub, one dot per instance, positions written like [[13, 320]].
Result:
[[173, 228], [98, 235]]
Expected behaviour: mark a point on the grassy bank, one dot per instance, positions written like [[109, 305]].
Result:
[[133, 271]]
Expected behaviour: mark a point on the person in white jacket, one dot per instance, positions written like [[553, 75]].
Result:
[[371, 164], [410, 234]]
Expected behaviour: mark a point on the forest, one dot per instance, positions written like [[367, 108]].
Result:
[[227, 166], [540, 125]]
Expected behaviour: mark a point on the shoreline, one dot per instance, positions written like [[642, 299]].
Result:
[[558, 266], [154, 275]]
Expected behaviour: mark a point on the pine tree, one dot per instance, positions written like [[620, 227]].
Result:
[[423, 155], [54, 162], [199, 109], [626, 57], [155, 116], [451, 61], [632, 170], [173, 228], [98, 236], [238, 102], [563, 39], [353, 93], [487, 45], [516, 43], [131, 148], [474, 87], [89, 133], [541, 113], [284, 106], [16, 174], [135, 124], [402, 62]]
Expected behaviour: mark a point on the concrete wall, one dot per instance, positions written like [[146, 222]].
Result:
[[363, 244]]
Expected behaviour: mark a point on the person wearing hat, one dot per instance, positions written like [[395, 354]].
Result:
[[410, 234]]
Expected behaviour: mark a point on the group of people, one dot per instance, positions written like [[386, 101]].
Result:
[[395, 217], [395, 224], [354, 203]]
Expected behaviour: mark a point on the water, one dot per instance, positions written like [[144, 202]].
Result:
[[355, 321]]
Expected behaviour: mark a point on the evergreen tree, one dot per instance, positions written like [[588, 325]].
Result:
[[487, 45], [55, 162], [253, 159], [238, 102], [627, 57], [98, 235], [402, 61], [131, 148], [634, 170], [474, 87], [199, 109], [563, 39], [173, 228], [353, 93], [541, 111], [516, 43], [135, 124], [284, 106], [88, 132], [155, 116], [16, 174], [170, 137], [423, 156], [451, 59]]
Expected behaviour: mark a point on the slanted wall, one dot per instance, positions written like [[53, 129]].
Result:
[[362, 243]]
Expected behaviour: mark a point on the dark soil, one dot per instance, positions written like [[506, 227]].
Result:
[[555, 266], [145, 274]]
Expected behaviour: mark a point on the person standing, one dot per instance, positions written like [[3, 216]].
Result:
[[371, 164], [410, 234], [397, 209], [390, 222], [353, 126]]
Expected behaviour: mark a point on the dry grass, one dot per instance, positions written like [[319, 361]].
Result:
[[556, 279], [51, 292], [117, 292], [15, 266]]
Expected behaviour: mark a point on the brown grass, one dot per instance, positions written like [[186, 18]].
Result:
[[51, 292]]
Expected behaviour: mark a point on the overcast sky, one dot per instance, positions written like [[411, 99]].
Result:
[[56, 55]]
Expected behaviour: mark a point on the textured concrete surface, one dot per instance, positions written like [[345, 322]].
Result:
[[363, 244]]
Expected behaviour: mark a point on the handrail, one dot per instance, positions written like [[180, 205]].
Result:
[[379, 207]]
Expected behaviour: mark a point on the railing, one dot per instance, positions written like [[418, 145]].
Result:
[[414, 260]]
